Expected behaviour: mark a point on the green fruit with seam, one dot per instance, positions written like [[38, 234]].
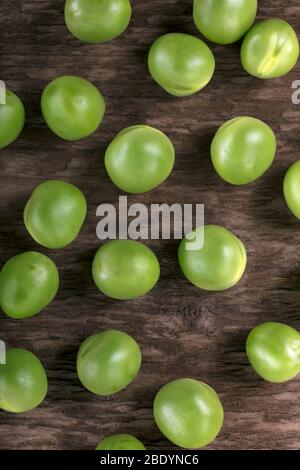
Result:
[[270, 49], [97, 21], [273, 350], [72, 107], [125, 269], [107, 362], [243, 149], [28, 283], [55, 213], [120, 442], [23, 381], [291, 189], [189, 413], [224, 21], [12, 118], [212, 258], [180, 63], [139, 159]]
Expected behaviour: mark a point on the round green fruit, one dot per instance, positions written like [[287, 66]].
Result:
[[97, 21], [12, 119], [139, 159], [224, 21], [120, 442], [291, 189], [72, 107], [181, 64], [107, 362], [125, 269], [54, 214], [243, 149], [273, 350], [23, 382], [218, 264], [188, 413], [28, 283], [270, 49]]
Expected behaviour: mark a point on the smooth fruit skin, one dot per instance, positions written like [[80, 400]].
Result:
[[108, 361], [28, 283], [291, 189], [180, 63], [243, 149], [54, 214], [219, 264], [139, 159], [188, 413], [72, 107], [273, 350], [125, 269], [23, 381], [224, 21], [270, 49], [97, 21], [12, 119], [120, 442]]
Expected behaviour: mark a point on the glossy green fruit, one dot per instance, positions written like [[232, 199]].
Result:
[[188, 413], [270, 49], [72, 107], [107, 362], [273, 350], [139, 159], [125, 269], [23, 381], [54, 214], [28, 283], [243, 149], [291, 189], [120, 442], [224, 21], [219, 264], [12, 119], [96, 21], [181, 64]]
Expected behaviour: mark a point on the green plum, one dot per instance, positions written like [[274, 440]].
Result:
[[120, 442], [188, 413], [12, 119], [291, 189], [54, 214], [273, 350], [243, 149], [97, 21], [23, 381], [72, 107], [28, 283], [139, 159], [270, 49], [107, 362], [219, 264], [180, 63], [125, 269], [224, 21]]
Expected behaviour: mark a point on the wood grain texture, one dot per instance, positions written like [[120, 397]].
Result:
[[183, 332]]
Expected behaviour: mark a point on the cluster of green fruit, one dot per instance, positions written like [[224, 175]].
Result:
[[188, 412]]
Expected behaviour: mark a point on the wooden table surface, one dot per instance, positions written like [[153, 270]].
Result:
[[183, 332]]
